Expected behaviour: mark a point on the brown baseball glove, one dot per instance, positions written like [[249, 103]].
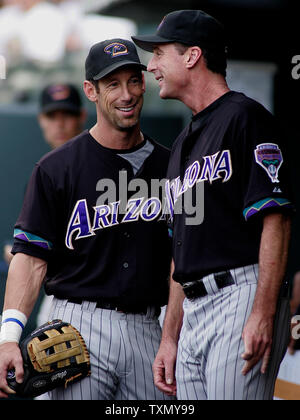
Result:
[[54, 355]]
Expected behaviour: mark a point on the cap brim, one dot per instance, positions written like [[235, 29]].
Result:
[[116, 66], [148, 42], [60, 106]]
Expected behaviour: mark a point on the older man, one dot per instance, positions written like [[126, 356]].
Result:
[[229, 269]]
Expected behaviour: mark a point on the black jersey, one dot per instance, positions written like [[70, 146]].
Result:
[[231, 149], [97, 248]]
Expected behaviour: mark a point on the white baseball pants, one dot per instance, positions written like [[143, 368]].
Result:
[[209, 362], [122, 349]]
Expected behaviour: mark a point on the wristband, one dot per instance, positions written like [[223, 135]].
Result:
[[13, 324]]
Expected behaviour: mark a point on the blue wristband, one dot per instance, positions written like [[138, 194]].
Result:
[[13, 320]]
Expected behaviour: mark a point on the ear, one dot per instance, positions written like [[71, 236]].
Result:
[[90, 91], [192, 56]]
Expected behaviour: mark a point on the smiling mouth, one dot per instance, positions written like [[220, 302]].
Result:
[[126, 109]]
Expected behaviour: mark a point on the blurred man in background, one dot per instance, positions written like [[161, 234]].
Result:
[[42, 31], [61, 114], [61, 118], [288, 380], [32, 30]]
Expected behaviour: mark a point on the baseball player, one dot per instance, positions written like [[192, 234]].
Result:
[[231, 333], [106, 261], [61, 115]]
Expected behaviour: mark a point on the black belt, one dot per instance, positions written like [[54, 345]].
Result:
[[196, 289], [130, 309]]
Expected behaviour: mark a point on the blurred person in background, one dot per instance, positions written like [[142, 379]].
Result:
[[288, 380], [44, 39], [32, 31], [294, 344], [295, 300], [61, 118], [7, 256], [61, 114], [86, 27], [74, 12], [10, 13], [42, 31]]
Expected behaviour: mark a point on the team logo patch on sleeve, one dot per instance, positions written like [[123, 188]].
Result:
[[269, 157]]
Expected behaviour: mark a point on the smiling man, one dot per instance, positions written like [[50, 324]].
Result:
[[109, 280], [118, 95], [226, 324]]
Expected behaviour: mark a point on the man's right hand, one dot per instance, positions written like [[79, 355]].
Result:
[[164, 368], [10, 358]]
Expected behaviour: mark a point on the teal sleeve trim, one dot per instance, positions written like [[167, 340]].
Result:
[[265, 204], [29, 237]]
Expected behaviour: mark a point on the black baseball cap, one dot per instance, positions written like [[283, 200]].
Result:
[[109, 55], [189, 27], [60, 97]]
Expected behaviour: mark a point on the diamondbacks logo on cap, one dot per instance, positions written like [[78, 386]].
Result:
[[59, 92], [268, 156], [115, 49]]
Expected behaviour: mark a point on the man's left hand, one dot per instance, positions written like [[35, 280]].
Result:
[[257, 336]]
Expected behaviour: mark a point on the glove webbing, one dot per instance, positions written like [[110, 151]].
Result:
[[61, 353]]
